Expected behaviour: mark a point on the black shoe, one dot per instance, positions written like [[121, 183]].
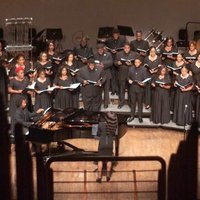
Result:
[[130, 119], [120, 106], [105, 106], [108, 178], [98, 180], [140, 120]]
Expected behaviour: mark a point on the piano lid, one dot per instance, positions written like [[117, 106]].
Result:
[[82, 116], [76, 116]]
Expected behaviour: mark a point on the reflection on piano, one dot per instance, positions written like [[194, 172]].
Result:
[[57, 125]]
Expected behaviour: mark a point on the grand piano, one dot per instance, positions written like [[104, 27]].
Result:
[[60, 125]]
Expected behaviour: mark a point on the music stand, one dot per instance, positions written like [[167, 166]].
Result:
[[125, 30], [105, 32], [54, 34]]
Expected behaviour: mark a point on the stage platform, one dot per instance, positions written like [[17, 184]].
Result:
[[148, 123]]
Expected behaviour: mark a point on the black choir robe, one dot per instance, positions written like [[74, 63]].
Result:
[[183, 103], [142, 44], [75, 93], [84, 51], [165, 60], [195, 71], [3, 85], [136, 92], [115, 44], [150, 65], [160, 112], [107, 60], [123, 73], [198, 103], [91, 94]]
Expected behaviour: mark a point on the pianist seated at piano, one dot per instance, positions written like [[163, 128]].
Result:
[[92, 78], [106, 130], [23, 116]]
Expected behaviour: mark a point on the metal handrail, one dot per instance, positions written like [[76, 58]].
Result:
[[63, 158]]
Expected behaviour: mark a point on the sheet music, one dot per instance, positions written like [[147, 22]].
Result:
[[31, 87], [46, 110], [182, 86], [174, 69], [160, 82], [72, 86], [127, 60], [146, 80], [48, 90], [94, 82]]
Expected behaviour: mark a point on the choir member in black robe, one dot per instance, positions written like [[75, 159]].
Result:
[[3, 83], [51, 54], [160, 112], [114, 45], [197, 86], [191, 54], [195, 72], [92, 78], [23, 116], [136, 75], [174, 71], [16, 88], [83, 52], [106, 130], [169, 52], [2, 52], [73, 69], [176, 67], [42, 99], [45, 64], [183, 99], [195, 69], [51, 50], [63, 97], [20, 63], [152, 62], [104, 60], [124, 60], [139, 45]]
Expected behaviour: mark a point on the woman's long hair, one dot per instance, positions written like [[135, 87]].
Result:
[[111, 122], [60, 70]]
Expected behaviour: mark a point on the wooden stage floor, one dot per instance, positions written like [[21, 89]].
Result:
[[136, 142]]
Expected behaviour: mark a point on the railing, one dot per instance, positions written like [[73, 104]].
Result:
[[124, 184]]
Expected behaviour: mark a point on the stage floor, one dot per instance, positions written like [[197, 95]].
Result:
[[136, 142]]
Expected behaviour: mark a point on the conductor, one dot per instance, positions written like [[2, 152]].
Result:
[[106, 130]]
